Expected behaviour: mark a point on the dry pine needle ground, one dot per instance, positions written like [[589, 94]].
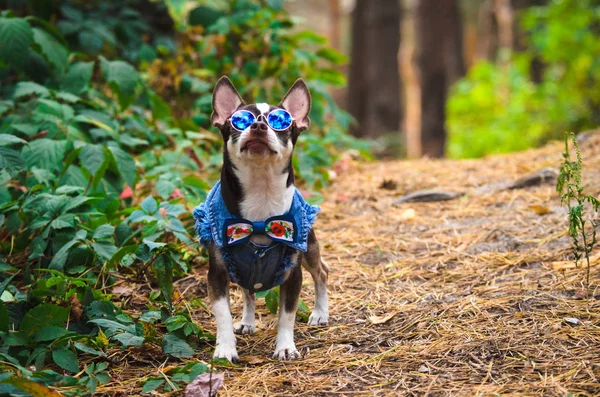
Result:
[[464, 297]]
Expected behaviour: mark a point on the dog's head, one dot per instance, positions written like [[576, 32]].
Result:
[[260, 132]]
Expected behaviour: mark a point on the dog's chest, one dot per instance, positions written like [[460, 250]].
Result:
[[265, 195]]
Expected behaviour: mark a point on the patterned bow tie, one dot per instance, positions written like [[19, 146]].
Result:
[[278, 228]]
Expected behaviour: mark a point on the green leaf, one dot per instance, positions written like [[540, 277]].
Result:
[[5, 105], [151, 316], [194, 181], [125, 164], [86, 349], [66, 359], [152, 245], [50, 332], [104, 249], [163, 269], [272, 300], [53, 51], [94, 159], [152, 384], [204, 16], [15, 38], [120, 254], [275, 4], [43, 315], [67, 97], [7, 139], [165, 188], [34, 389], [103, 231], [11, 160], [176, 347], [5, 283], [149, 205], [77, 78], [63, 221], [122, 76], [111, 325], [332, 55], [45, 153], [60, 258], [52, 111], [76, 202], [160, 109], [25, 88], [128, 339]]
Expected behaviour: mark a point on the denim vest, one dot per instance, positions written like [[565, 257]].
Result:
[[253, 266]]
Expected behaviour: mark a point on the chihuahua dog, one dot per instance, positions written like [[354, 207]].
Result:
[[255, 223]]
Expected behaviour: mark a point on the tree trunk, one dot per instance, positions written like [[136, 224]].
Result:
[[440, 63], [374, 82]]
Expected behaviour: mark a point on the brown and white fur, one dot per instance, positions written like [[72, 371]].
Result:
[[257, 182]]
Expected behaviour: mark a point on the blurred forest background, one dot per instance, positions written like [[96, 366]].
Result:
[[106, 147], [472, 76]]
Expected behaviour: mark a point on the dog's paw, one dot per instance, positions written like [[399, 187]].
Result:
[[245, 329], [286, 352], [228, 352], [318, 318]]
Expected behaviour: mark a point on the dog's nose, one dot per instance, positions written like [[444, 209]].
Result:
[[259, 127]]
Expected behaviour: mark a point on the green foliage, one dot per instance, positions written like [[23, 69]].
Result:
[[570, 187], [172, 378], [499, 108], [272, 302], [105, 148]]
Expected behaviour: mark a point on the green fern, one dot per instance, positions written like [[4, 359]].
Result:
[[571, 190]]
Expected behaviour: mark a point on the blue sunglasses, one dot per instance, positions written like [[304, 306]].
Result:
[[278, 120]]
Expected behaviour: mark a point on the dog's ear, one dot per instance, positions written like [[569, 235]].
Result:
[[297, 102], [225, 101]]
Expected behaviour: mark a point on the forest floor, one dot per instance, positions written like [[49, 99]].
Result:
[[472, 296]]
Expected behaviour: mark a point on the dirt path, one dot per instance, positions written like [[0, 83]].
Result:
[[464, 297]]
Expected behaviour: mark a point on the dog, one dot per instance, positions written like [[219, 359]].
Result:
[[255, 223]]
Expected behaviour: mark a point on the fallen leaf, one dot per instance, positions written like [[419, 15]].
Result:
[[126, 193], [572, 320], [176, 193], [253, 360], [341, 197], [205, 385], [582, 293], [123, 290], [409, 213], [382, 319], [540, 210]]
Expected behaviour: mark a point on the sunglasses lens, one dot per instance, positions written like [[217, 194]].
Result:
[[242, 119], [279, 120]]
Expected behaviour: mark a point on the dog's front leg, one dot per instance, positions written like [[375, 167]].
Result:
[[247, 325], [285, 349], [218, 291]]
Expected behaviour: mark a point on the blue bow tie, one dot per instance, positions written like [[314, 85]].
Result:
[[278, 228]]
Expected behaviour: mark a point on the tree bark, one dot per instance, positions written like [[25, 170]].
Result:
[[440, 63], [374, 83]]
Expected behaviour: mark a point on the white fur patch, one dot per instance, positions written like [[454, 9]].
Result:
[[285, 349], [225, 337], [263, 107]]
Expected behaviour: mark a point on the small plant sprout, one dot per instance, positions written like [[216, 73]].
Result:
[[582, 227]]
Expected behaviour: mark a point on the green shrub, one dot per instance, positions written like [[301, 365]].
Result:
[[498, 108], [105, 148]]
